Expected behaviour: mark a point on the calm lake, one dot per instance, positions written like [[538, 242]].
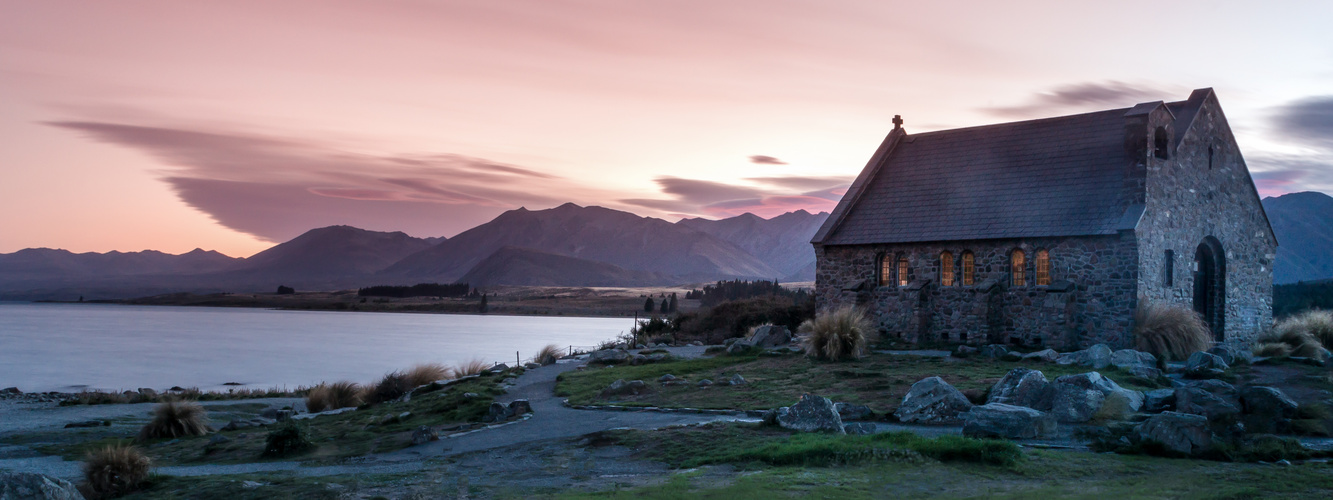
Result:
[[67, 347]]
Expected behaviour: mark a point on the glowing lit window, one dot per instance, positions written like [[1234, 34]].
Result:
[[902, 271], [1017, 268], [969, 269], [946, 269], [1043, 267], [885, 270]]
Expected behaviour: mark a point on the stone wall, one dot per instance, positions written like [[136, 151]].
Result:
[[1091, 298], [1195, 194]]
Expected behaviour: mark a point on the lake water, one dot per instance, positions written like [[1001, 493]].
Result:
[[66, 347]]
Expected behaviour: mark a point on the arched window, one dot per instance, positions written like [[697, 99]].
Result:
[[946, 269], [885, 270], [969, 269], [902, 270], [1017, 268], [1043, 268], [1160, 143], [1169, 268]]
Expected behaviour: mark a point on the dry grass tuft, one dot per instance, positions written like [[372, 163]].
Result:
[[333, 396], [843, 333], [423, 374], [1298, 334], [113, 471], [1169, 331], [1314, 324], [1272, 350], [549, 354], [473, 367], [173, 419]]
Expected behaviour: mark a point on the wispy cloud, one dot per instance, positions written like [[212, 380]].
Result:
[[766, 160], [766, 197], [1309, 121], [1082, 97], [276, 188]]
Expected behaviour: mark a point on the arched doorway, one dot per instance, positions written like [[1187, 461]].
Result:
[[1210, 285]]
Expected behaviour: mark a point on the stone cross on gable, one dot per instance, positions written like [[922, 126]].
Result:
[[897, 122]]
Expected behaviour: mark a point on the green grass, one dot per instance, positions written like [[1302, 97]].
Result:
[[879, 381], [274, 486]]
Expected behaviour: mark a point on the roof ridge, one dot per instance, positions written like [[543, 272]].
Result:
[[1024, 122]]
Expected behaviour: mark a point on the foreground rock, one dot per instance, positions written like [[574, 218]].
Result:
[[500, 412], [851, 413], [770, 336], [622, 388], [32, 486], [1137, 363], [1205, 365], [424, 434], [1267, 409], [932, 401], [1022, 387], [1179, 432], [1212, 399], [1083, 397], [810, 414], [610, 356], [1007, 421]]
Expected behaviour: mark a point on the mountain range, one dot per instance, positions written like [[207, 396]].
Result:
[[568, 245]]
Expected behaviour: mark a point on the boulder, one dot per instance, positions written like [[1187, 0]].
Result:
[[11, 390], [705, 383], [932, 401], [498, 412], [993, 351], [770, 336], [1072, 358], [1232, 354], [859, 429], [33, 486], [1022, 387], [424, 434], [1012, 356], [622, 388], [519, 407], [1159, 400], [1205, 365], [1218, 388], [1044, 355], [1197, 400], [1267, 401], [739, 347], [1079, 398], [638, 359], [1001, 420], [964, 351], [1099, 357], [1125, 359], [737, 379], [851, 413], [811, 414], [1180, 432], [609, 356], [666, 378]]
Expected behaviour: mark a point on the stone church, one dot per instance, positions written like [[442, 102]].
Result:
[[1048, 232]]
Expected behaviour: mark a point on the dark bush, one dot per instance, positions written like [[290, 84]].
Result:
[[287, 439], [735, 318], [393, 386]]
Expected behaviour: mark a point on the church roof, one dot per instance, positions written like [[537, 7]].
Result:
[[1062, 176]]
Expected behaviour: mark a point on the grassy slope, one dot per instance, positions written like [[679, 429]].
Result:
[[879, 381]]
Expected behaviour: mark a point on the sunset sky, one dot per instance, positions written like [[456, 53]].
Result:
[[171, 125]]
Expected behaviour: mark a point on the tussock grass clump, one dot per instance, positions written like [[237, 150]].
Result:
[[839, 334], [287, 439], [1315, 323], [173, 419], [1296, 336], [548, 355], [472, 367], [333, 396], [426, 373], [1272, 350], [113, 471], [1169, 331], [393, 386]]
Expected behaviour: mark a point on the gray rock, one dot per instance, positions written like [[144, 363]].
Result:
[[498, 412], [1159, 400], [609, 356], [1044, 355], [498, 368], [520, 407], [770, 336], [33, 486], [1232, 354], [1205, 365], [739, 347], [1180, 432], [1081, 397], [851, 413], [1007, 421], [11, 390], [1072, 358], [638, 359], [531, 365], [932, 401], [250, 485], [1022, 387], [666, 378], [859, 429], [217, 439], [1148, 372], [622, 388], [811, 414], [964, 351], [1128, 358], [728, 342], [658, 358], [1099, 357], [1218, 388], [705, 383], [1268, 402], [993, 351], [424, 434], [737, 379], [1197, 400]]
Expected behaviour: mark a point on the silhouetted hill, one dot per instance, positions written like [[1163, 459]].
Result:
[[47, 263], [527, 267], [333, 252], [590, 233], [782, 242], [1303, 223]]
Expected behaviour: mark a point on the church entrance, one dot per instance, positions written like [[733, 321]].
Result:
[[1210, 277]]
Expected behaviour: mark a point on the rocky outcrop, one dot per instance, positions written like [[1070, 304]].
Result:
[[424, 434], [33, 486], [851, 413], [1045, 356], [622, 388], [770, 336], [1268, 401], [998, 420], [1022, 387], [1212, 399], [1083, 397], [932, 401], [1205, 365], [1097, 357], [1159, 400], [810, 414], [610, 356], [1137, 363], [1179, 432]]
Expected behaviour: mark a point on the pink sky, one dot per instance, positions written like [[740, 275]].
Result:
[[230, 125]]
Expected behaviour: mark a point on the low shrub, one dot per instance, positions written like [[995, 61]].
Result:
[[174, 419], [1169, 331], [734, 318], [113, 471], [548, 355], [1299, 339], [471, 367], [1272, 350], [333, 396], [287, 439], [423, 374], [1316, 324], [392, 386], [843, 333]]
